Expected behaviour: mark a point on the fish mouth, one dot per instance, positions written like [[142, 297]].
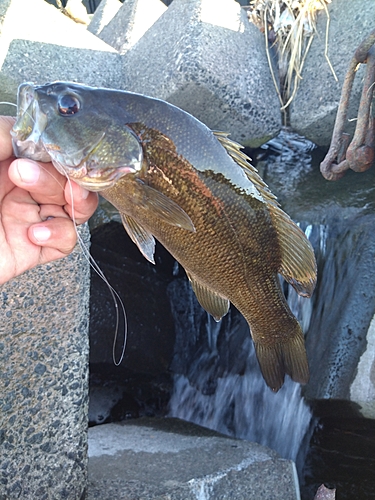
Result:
[[29, 126]]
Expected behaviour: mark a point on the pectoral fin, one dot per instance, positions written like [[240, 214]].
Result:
[[140, 236], [213, 303], [165, 208], [298, 265]]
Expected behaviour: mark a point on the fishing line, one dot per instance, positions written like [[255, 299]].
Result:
[[95, 266], [9, 103], [115, 296]]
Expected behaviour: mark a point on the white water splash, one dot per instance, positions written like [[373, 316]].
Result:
[[279, 421]]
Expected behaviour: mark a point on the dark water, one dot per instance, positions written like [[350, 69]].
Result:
[[340, 453]]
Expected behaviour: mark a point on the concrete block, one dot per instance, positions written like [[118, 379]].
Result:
[[313, 110], [362, 390], [212, 63], [106, 10], [131, 22], [44, 382], [346, 256], [38, 43], [175, 460]]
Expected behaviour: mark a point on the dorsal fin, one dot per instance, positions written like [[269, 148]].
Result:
[[234, 151], [212, 302]]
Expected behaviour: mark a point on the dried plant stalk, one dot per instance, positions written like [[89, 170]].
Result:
[[292, 25]]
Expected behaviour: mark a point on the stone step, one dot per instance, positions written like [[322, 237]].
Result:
[[162, 459]]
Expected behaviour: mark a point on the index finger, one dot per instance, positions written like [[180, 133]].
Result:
[[6, 148]]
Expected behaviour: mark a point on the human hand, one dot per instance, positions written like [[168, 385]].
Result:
[[36, 210]]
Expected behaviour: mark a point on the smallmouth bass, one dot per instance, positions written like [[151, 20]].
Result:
[[174, 180]]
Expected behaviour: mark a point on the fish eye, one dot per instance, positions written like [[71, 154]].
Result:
[[68, 105]]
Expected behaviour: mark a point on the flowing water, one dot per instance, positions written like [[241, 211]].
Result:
[[255, 416]]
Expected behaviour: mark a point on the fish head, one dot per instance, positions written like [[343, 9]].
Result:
[[72, 126]]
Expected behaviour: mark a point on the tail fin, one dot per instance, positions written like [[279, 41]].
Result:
[[287, 357]]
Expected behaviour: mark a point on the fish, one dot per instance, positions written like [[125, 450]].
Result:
[[194, 190]]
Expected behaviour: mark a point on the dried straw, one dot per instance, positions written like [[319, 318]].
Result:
[[291, 26]]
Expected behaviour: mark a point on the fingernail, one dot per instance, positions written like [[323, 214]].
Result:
[[84, 193], [41, 233], [28, 171]]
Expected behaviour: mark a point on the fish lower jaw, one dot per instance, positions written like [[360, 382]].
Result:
[[73, 172], [29, 149], [93, 185], [98, 180]]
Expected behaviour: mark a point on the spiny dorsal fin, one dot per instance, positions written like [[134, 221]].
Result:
[[140, 236], [234, 151], [213, 303]]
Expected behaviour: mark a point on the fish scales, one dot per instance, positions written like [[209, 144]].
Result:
[[220, 213], [192, 189]]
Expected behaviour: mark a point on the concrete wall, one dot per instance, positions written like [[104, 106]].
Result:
[[44, 381]]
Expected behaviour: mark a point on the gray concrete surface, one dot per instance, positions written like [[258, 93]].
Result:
[[103, 14], [208, 61], [171, 459], [212, 63], [131, 22], [44, 381], [39, 44], [313, 110]]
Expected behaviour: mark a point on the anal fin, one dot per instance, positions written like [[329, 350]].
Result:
[[212, 302]]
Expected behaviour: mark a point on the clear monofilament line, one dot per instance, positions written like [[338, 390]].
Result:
[[8, 103], [115, 296], [15, 105]]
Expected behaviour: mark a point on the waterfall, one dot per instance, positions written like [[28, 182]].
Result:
[[279, 421], [217, 380]]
